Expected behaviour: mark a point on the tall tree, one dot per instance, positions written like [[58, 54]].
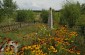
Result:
[[1, 11], [0, 4], [9, 5]]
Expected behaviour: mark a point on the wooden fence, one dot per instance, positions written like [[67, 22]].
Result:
[[14, 26]]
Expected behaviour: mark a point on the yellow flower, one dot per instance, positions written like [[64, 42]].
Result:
[[78, 53], [33, 51], [51, 47], [67, 39], [22, 48], [34, 46], [37, 48], [29, 47], [26, 47], [55, 51], [39, 39]]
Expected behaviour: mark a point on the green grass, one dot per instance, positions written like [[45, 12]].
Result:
[[26, 32]]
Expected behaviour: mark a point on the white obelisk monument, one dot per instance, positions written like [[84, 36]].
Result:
[[50, 19]]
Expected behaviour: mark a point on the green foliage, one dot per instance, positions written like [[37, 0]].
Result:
[[0, 4], [44, 15], [1, 11], [25, 16], [83, 8], [81, 20], [21, 16], [70, 13], [7, 8], [30, 16], [56, 16]]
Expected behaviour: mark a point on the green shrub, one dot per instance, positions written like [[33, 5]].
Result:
[[25, 16], [70, 13], [30, 16], [44, 16], [21, 16]]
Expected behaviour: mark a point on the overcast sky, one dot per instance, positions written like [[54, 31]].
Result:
[[42, 4]]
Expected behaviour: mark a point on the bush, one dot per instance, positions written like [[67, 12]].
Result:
[[70, 13], [83, 9], [21, 16], [44, 15], [30, 16], [25, 16], [81, 23]]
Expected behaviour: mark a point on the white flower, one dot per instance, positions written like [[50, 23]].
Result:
[[36, 33], [41, 29], [2, 49]]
